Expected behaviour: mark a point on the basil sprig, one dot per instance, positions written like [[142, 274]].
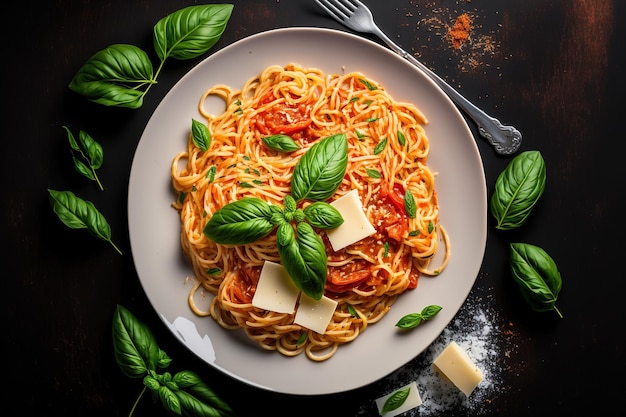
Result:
[[121, 74], [413, 320], [77, 213], [536, 275], [90, 155], [518, 188], [139, 356], [317, 176]]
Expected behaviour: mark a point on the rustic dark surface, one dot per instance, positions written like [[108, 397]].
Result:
[[553, 69]]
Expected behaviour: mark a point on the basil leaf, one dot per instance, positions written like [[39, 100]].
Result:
[[304, 257], [410, 321], [413, 320], [77, 213], [319, 172], [368, 84], [409, 204], [323, 216], [200, 135], [190, 32], [290, 204], [380, 146], [518, 188], [536, 275], [395, 400], [91, 153], [83, 169], [373, 173], [401, 138], [240, 222], [197, 398], [92, 149], [430, 311], [281, 143], [169, 400], [114, 76], [135, 349]]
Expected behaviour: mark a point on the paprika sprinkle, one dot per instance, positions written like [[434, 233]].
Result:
[[460, 30]]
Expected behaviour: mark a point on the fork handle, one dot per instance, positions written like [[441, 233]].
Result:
[[506, 140]]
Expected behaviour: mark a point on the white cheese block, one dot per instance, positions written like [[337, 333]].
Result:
[[356, 225], [412, 400], [315, 314], [276, 290], [457, 366]]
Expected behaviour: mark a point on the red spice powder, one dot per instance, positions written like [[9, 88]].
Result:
[[460, 30]]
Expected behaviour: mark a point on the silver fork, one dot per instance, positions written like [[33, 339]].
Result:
[[353, 14]]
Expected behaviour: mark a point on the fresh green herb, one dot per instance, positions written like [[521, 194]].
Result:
[[367, 84], [409, 204], [353, 99], [371, 119], [380, 146], [359, 134], [401, 138], [431, 226], [281, 143], [319, 172], [121, 74], [240, 222], [239, 110], [304, 257], [386, 249], [77, 213], [395, 400], [373, 173], [138, 356], [200, 135], [352, 311], [244, 184], [536, 275], [181, 196], [413, 320], [414, 233], [210, 174], [190, 32], [518, 188], [316, 177], [323, 216], [301, 339], [90, 155], [214, 271]]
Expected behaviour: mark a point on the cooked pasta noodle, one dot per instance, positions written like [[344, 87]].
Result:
[[387, 155]]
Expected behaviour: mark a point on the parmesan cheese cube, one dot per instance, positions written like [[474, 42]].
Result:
[[315, 314], [412, 400], [456, 365], [356, 225], [275, 290]]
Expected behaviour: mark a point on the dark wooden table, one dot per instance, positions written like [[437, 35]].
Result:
[[553, 69]]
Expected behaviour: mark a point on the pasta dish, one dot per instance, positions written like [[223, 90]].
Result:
[[387, 151]]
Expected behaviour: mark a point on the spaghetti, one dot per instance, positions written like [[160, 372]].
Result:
[[387, 154]]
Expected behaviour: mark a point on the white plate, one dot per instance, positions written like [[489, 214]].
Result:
[[154, 226]]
